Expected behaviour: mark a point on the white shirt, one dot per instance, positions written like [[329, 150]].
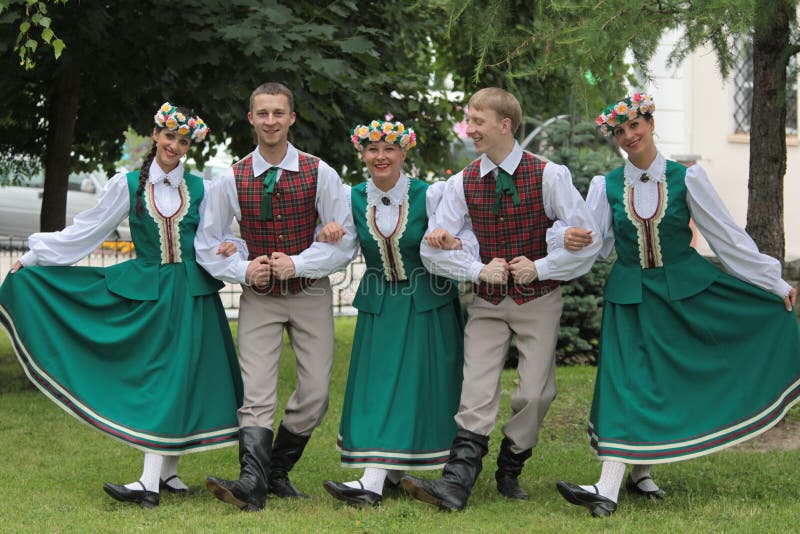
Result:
[[561, 202], [735, 249], [386, 216], [91, 227], [318, 260]]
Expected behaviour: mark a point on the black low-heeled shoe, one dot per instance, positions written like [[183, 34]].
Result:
[[633, 487], [352, 496], [163, 484], [142, 497], [598, 505]]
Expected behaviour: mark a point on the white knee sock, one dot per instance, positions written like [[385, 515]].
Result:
[[372, 480], [150, 473], [610, 480], [641, 475], [169, 473]]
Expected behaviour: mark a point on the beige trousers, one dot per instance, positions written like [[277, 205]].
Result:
[[486, 342], [308, 319]]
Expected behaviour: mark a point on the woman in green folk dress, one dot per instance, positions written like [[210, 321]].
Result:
[[134, 349], [693, 358], [404, 380]]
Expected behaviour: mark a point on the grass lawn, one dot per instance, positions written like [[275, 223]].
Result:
[[53, 468]]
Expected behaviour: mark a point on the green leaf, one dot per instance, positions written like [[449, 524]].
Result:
[[32, 44], [24, 26], [47, 35], [356, 45], [58, 47], [36, 17], [44, 22]]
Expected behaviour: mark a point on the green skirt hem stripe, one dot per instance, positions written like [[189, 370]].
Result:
[[688, 449], [394, 466], [141, 440]]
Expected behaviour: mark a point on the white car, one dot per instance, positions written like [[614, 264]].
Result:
[[20, 205]]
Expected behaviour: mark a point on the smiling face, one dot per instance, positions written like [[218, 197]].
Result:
[[271, 117], [170, 148], [635, 137], [490, 132], [384, 162]]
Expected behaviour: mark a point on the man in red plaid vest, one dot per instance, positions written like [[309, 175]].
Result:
[[509, 198], [278, 194]]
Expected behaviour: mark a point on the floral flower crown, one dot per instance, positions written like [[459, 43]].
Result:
[[391, 132], [629, 108], [169, 117]]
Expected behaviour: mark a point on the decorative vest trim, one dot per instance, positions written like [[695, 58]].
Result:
[[661, 243], [514, 230], [161, 243], [294, 215]]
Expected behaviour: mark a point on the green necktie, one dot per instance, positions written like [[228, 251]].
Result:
[[266, 195], [504, 185]]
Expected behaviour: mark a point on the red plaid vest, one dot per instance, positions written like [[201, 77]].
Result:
[[294, 215], [514, 230]]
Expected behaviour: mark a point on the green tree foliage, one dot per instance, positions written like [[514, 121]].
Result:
[[586, 41], [35, 25], [347, 61]]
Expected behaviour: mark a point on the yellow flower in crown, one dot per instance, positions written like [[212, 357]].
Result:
[[621, 108], [169, 117], [171, 123], [165, 107], [180, 117], [632, 112], [184, 129], [378, 130]]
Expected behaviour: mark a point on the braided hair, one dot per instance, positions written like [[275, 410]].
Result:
[[144, 172]]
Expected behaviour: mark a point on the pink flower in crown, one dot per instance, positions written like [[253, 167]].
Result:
[[191, 122], [636, 98], [600, 120]]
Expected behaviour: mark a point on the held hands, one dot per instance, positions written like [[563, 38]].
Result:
[[441, 238], [333, 232], [282, 266], [16, 267], [495, 272], [576, 238], [790, 300], [523, 270], [258, 272], [226, 249]]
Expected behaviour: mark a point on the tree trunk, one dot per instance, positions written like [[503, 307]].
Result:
[[62, 116], [771, 43]]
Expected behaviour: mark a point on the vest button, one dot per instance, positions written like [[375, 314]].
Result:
[[278, 217], [501, 219], [280, 237], [277, 195]]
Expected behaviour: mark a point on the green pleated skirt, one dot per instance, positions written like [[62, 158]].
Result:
[[681, 379], [403, 387], [159, 375]]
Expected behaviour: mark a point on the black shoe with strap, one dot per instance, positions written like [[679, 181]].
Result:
[[249, 493], [634, 489], [352, 496], [142, 497], [509, 467], [286, 451], [598, 505]]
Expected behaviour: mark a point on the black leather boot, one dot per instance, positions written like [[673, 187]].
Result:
[[286, 451], [451, 491], [509, 467], [249, 493]]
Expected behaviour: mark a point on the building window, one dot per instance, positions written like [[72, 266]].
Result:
[[743, 91]]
